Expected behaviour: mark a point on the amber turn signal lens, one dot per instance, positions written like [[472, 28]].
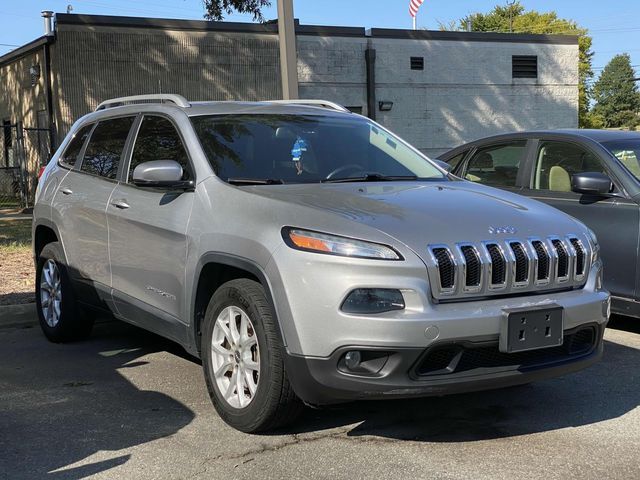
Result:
[[308, 243]]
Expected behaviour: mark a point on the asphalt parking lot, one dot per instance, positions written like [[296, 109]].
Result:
[[128, 404]]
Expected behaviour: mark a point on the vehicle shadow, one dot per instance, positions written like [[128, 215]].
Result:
[[599, 393], [63, 403]]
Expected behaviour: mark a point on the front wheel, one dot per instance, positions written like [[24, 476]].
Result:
[[243, 363], [58, 313]]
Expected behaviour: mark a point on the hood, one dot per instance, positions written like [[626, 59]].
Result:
[[421, 213]]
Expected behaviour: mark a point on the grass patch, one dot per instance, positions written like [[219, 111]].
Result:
[[15, 235]]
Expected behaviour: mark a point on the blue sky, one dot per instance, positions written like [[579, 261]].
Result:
[[614, 29]]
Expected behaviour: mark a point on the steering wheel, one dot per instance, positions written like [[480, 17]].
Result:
[[345, 168]]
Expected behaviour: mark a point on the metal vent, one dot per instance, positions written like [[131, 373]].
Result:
[[446, 267], [473, 274], [563, 258], [498, 265], [417, 63], [522, 262], [543, 260], [524, 66], [580, 256]]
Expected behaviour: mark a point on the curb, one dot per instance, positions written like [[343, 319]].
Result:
[[18, 315]]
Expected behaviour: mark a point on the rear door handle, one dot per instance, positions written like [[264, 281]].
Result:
[[66, 191], [121, 204]]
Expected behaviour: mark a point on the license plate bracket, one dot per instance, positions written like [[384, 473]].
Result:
[[524, 329]]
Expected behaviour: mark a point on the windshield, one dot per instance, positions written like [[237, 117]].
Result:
[[252, 149], [628, 152]]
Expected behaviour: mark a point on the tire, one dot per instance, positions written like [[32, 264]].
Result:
[[61, 321], [254, 353]]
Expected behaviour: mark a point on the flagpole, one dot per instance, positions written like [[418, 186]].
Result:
[[415, 21]]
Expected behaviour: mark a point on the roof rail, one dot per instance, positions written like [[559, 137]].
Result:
[[313, 103], [178, 100]]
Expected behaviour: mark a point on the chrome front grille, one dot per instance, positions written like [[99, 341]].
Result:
[[509, 266]]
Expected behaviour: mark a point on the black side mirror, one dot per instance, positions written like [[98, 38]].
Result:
[[443, 165], [166, 174], [591, 183]]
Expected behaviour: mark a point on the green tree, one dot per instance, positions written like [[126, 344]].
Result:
[[216, 9], [616, 94], [514, 18]]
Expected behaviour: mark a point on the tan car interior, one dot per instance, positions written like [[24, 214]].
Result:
[[558, 161]]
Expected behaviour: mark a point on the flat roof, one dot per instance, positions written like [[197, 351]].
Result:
[[24, 50], [322, 30], [271, 27]]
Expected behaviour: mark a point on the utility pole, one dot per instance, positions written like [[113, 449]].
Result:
[[511, 5], [288, 54]]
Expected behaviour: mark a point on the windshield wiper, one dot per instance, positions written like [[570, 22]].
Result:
[[255, 181], [371, 177]]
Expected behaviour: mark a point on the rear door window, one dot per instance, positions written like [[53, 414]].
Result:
[[497, 165], [71, 154], [106, 146]]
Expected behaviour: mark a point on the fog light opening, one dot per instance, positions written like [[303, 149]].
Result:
[[352, 360], [363, 362]]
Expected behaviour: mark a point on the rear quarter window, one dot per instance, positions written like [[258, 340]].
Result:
[[70, 156]]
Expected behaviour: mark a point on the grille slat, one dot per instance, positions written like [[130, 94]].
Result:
[[563, 258], [474, 268], [498, 264], [580, 256], [446, 267], [543, 260], [522, 262]]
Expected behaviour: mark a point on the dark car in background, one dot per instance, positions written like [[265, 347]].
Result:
[[593, 175]]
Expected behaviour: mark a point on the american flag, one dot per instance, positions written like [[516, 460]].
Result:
[[414, 6]]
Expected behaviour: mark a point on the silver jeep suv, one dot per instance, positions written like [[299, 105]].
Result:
[[307, 255]]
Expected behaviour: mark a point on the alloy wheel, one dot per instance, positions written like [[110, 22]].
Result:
[[235, 357], [50, 293]]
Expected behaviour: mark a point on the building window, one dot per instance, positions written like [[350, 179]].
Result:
[[7, 142], [524, 66], [417, 63]]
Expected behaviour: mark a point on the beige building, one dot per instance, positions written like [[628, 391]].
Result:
[[437, 89]]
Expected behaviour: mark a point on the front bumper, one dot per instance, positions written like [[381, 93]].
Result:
[[322, 381], [317, 333]]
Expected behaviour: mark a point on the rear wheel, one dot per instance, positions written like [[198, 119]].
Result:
[[58, 313], [243, 363]]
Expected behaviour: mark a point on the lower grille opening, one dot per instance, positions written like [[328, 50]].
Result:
[[452, 359]]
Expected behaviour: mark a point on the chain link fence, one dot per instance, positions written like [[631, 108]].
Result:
[[22, 152]]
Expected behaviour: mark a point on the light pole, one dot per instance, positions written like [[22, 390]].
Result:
[[288, 55]]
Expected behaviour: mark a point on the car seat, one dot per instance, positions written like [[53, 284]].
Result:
[[559, 179]]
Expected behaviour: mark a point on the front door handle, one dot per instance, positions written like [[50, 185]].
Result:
[[66, 191], [121, 204]]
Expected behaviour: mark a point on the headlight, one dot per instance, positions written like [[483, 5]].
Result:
[[334, 245], [595, 246]]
